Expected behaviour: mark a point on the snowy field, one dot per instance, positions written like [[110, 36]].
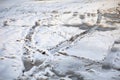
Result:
[[59, 39]]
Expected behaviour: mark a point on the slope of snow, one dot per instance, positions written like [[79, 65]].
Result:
[[60, 40]]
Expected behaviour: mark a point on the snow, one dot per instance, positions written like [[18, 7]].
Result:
[[89, 47], [59, 40]]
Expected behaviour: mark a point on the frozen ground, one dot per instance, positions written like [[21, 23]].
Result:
[[60, 40]]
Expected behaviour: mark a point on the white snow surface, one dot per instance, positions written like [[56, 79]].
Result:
[[60, 40]]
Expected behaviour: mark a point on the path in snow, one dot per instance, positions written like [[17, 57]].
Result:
[[57, 40]]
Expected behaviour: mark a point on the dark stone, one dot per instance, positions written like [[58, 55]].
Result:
[[44, 52]]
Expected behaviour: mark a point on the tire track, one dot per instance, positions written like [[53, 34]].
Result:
[[28, 48], [66, 44]]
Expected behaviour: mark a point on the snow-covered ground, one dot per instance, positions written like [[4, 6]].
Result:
[[60, 40]]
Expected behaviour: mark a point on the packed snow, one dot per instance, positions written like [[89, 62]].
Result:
[[60, 40]]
